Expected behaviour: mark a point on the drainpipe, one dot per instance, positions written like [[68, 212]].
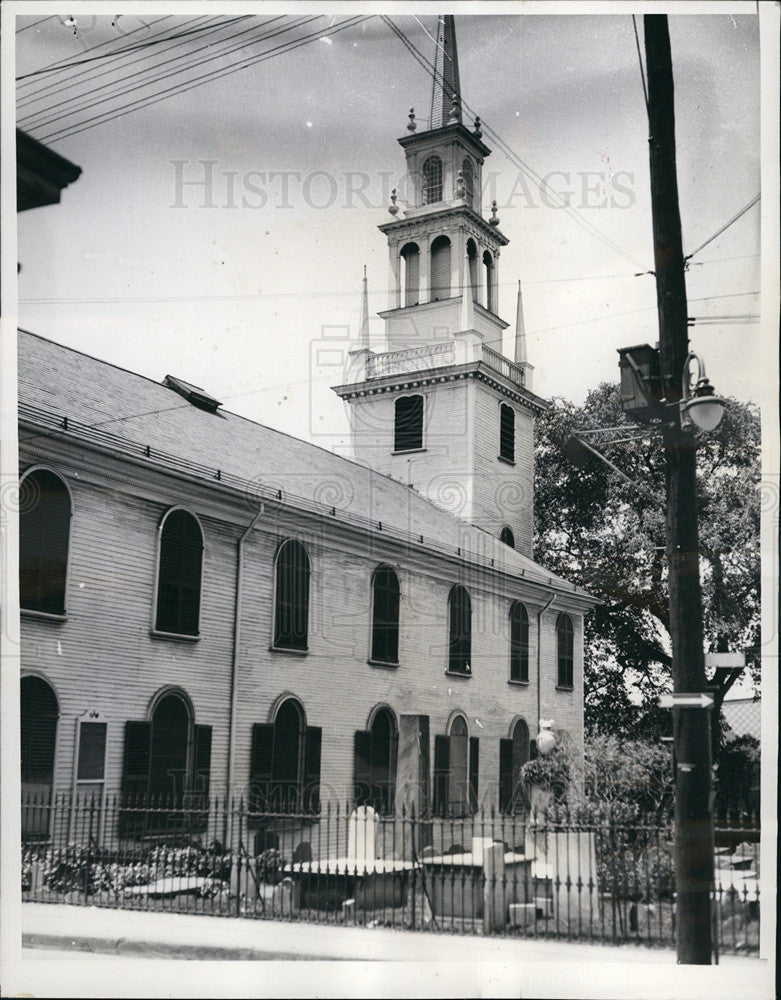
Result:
[[540, 613], [237, 621]]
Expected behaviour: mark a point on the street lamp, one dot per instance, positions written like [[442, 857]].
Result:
[[700, 408]]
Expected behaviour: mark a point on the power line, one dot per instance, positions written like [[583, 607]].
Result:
[[148, 43], [58, 64], [206, 77], [57, 87], [726, 225], [122, 83], [511, 155], [35, 23]]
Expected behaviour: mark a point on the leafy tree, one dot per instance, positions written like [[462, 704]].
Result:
[[609, 535]]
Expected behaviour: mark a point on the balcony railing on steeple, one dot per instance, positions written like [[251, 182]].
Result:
[[417, 359]]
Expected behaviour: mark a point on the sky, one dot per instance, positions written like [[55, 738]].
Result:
[[238, 289]]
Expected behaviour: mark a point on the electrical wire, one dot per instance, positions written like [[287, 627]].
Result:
[[35, 23], [726, 225], [57, 64], [124, 90], [204, 78], [147, 43]]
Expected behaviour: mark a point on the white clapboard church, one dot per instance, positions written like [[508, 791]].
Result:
[[212, 606]]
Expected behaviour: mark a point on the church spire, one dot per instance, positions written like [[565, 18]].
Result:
[[520, 331], [446, 92], [363, 334]]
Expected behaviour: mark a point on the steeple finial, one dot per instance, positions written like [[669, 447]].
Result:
[[520, 331], [446, 93], [363, 335]]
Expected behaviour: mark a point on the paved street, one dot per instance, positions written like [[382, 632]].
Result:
[[353, 961]]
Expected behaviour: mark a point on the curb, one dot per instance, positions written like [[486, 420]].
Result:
[[161, 949]]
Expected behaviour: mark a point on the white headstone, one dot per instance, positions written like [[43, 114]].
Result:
[[362, 834]]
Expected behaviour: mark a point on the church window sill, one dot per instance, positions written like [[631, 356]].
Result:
[[288, 651], [409, 451], [464, 674], [507, 461], [384, 664], [173, 636], [517, 682], [43, 616]]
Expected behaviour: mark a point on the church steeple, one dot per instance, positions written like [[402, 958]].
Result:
[[441, 406], [363, 334], [446, 90]]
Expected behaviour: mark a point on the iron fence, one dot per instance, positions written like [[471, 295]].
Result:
[[552, 874]]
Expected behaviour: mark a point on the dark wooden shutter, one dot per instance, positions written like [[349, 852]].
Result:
[[408, 425], [313, 740], [92, 751], [507, 433], [385, 617], [44, 527], [362, 766], [505, 775], [179, 577], [291, 614], [474, 770], [441, 774], [202, 756], [533, 752], [135, 777], [261, 765]]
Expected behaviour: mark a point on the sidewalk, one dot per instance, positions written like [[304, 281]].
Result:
[[133, 934]]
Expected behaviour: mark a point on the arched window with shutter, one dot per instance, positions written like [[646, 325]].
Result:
[[179, 574], [474, 279], [513, 754], [456, 770], [44, 532], [285, 763], [460, 631], [385, 616], [410, 276], [440, 269], [375, 762], [488, 267], [432, 180], [519, 643], [291, 612], [565, 640], [506, 535]]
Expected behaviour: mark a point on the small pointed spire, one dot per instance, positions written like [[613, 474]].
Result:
[[467, 298], [446, 93], [520, 331], [363, 336]]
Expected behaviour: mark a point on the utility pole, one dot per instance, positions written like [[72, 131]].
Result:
[[691, 726]]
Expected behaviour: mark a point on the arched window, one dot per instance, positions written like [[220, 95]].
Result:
[[440, 269], [565, 637], [168, 755], [38, 718], [285, 762], [408, 423], [432, 180], [385, 616], [507, 537], [467, 172], [44, 528], [375, 762], [474, 281], [456, 770], [291, 616], [460, 631], [179, 574], [410, 261], [519, 643], [488, 266], [506, 433], [166, 769], [513, 754]]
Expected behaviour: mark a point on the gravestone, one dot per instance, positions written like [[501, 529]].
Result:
[[362, 834]]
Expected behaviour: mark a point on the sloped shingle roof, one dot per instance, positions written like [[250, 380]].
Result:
[[84, 389]]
